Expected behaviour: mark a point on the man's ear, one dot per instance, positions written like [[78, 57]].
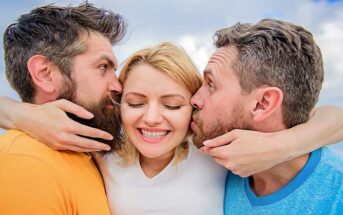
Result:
[[267, 101], [40, 68]]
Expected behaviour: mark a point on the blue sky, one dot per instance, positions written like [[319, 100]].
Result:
[[192, 23]]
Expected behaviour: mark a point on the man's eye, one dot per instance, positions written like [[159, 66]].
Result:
[[103, 67], [211, 86], [172, 107]]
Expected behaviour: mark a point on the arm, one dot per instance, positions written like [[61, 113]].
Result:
[[50, 124], [7, 112], [324, 128], [249, 152]]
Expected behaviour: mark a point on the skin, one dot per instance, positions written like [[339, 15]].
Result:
[[96, 68], [153, 101], [219, 82]]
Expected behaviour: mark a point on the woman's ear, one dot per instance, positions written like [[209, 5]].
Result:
[[267, 101], [39, 68]]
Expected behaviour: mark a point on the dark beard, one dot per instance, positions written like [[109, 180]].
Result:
[[220, 127], [104, 119]]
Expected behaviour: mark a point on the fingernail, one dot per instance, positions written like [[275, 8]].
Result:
[[206, 142], [107, 148], [90, 115], [109, 137]]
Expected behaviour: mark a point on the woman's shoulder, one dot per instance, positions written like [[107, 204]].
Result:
[[198, 161]]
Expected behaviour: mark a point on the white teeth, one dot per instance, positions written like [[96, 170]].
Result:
[[153, 134]]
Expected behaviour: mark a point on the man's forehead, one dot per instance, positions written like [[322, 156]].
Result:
[[221, 59], [99, 46], [224, 54]]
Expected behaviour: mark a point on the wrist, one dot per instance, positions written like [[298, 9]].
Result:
[[18, 114], [287, 144]]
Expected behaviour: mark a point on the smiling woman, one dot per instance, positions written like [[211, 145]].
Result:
[[158, 84], [156, 159], [155, 116]]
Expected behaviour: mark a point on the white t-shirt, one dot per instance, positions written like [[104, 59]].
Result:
[[195, 186]]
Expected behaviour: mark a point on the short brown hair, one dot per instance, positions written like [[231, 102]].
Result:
[[54, 32], [280, 54]]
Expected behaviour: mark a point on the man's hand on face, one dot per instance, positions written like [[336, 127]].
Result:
[[246, 152], [50, 124]]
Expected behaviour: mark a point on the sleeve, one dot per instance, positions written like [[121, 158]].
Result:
[[30, 186]]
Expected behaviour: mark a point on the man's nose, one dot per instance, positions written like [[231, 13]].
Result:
[[115, 85], [196, 101]]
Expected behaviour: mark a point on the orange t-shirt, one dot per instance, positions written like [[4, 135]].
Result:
[[35, 179]]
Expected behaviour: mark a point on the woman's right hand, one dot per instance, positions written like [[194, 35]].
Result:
[[50, 124]]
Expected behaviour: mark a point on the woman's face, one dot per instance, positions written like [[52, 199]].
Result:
[[155, 111]]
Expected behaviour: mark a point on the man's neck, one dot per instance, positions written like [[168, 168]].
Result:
[[270, 181]]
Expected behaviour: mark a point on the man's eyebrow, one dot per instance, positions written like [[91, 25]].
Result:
[[208, 73], [109, 60]]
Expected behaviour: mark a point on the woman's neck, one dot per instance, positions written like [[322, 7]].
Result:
[[153, 166]]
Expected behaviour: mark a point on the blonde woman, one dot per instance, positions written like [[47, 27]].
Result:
[[158, 171]]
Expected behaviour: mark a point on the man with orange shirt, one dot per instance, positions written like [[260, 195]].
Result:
[[53, 53]]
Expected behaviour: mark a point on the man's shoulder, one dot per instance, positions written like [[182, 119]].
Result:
[[15, 143], [19, 143], [332, 161], [329, 172]]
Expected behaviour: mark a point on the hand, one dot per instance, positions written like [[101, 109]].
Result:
[[246, 152], [50, 124]]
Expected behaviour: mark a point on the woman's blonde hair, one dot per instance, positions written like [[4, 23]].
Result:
[[172, 60]]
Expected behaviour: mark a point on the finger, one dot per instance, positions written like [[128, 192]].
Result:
[[204, 149], [80, 129], [85, 143], [75, 109], [224, 139], [218, 152], [219, 161], [223, 163], [76, 149]]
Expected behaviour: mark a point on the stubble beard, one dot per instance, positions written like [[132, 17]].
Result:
[[219, 127]]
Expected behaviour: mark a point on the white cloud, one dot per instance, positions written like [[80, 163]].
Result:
[[330, 40], [199, 49]]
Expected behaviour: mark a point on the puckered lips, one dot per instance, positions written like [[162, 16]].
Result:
[[153, 135], [194, 126], [109, 106]]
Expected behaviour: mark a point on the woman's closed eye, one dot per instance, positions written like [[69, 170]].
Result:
[[135, 105], [173, 107]]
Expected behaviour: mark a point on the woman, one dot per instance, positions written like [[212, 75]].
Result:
[[157, 170]]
